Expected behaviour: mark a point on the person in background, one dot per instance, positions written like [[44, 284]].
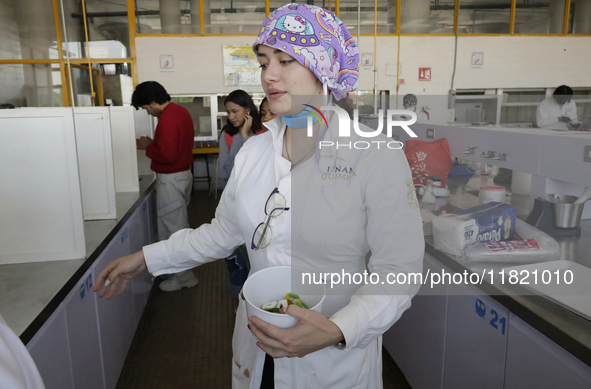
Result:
[[409, 101], [266, 114], [17, 368], [556, 112], [347, 104], [171, 152], [243, 122]]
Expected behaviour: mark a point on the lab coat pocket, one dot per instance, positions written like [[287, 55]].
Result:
[[331, 215], [244, 348]]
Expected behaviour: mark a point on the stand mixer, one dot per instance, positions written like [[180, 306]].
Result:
[[559, 215]]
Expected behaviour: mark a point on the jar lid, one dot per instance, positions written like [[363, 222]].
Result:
[[493, 188]]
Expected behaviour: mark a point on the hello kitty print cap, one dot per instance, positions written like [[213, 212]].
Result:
[[318, 40]]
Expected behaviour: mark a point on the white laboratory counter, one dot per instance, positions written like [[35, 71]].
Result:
[[26, 289]]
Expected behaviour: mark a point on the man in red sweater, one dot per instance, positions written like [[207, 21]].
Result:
[[171, 152]]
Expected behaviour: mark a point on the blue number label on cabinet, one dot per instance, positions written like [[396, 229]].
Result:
[[124, 235], [495, 319], [86, 286], [480, 308]]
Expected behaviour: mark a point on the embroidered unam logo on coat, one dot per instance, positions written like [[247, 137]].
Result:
[[411, 197], [338, 173]]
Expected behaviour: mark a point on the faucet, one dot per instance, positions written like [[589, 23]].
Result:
[[470, 150]]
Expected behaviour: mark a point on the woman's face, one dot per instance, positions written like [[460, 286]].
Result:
[[283, 77], [266, 113], [236, 113]]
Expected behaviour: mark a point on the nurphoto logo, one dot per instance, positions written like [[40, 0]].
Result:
[[394, 118]]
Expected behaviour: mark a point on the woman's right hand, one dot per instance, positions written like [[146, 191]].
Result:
[[245, 129], [121, 270]]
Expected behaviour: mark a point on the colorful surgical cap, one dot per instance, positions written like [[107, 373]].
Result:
[[318, 40], [409, 100]]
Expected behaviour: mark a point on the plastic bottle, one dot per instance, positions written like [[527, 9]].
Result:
[[484, 169], [429, 196]]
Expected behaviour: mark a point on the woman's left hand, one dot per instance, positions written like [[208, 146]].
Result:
[[245, 130], [311, 333]]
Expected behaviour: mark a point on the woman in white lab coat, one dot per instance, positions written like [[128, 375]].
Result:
[[557, 111], [335, 205]]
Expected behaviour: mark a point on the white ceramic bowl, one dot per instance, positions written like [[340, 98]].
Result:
[[271, 284]]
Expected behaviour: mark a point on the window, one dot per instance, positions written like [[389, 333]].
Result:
[[27, 29], [386, 16], [580, 17], [427, 17], [38, 85], [175, 17], [491, 17], [539, 17], [233, 16], [108, 29]]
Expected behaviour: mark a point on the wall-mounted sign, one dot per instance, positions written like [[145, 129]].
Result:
[[366, 59], [241, 66], [477, 60], [424, 74], [166, 63]]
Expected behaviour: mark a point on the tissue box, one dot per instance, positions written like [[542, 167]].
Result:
[[490, 222]]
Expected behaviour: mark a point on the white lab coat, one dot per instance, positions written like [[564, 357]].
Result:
[[17, 369], [334, 220], [549, 113]]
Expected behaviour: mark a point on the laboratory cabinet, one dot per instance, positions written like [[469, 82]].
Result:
[[417, 340], [83, 334], [141, 285], [84, 342], [50, 350], [426, 336], [116, 317], [534, 361], [476, 340], [458, 337]]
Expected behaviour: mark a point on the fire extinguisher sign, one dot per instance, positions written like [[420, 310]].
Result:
[[424, 74]]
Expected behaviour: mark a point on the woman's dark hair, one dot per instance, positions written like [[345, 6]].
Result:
[[243, 99], [149, 92], [261, 106]]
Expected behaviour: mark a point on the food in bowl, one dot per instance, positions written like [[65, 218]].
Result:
[[281, 305]]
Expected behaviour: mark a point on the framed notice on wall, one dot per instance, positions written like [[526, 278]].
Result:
[[240, 66]]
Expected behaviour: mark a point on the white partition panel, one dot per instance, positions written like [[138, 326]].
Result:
[[95, 161], [145, 125], [124, 149], [41, 214]]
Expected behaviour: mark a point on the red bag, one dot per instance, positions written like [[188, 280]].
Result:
[[428, 159]]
